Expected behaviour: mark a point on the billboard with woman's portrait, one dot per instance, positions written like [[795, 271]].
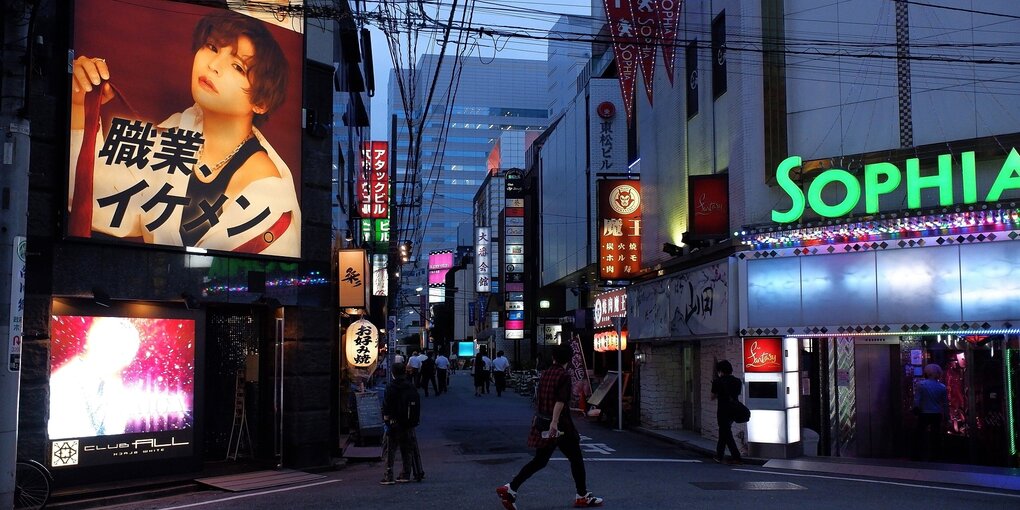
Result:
[[185, 126]]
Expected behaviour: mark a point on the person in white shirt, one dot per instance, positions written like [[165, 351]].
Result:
[[398, 357], [414, 363], [442, 371], [487, 371], [500, 368]]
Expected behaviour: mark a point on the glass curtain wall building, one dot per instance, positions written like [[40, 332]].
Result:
[[473, 104]]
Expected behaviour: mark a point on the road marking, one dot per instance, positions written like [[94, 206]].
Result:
[[604, 459], [262, 493], [883, 482]]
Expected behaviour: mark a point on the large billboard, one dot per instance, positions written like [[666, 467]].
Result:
[[185, 127], [121, 389]]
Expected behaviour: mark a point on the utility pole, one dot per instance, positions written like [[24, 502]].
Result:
[[14, 162]]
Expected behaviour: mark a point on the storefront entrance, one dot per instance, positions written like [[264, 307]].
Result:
[[241, 385], [860, 393]]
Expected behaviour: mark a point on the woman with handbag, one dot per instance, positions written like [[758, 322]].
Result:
[[726, 389]]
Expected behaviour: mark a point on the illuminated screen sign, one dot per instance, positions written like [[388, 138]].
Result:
[[763, 355], [193, 139], [439, 263], [883, 178], [619, 228], [465, 349], [121, 389], [374, 180]]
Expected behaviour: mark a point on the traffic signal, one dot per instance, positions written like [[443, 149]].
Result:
[[405, 251]]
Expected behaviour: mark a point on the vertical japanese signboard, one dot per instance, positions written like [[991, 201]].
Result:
[[483, 261], [619, 228], [513, 259], [17, 305], [374, 180], [353, 274], [608, 148], [192, 139]]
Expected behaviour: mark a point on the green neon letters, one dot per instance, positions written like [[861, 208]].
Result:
[[884, 178]]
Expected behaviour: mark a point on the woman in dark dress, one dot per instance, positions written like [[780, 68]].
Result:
[[726, 389]]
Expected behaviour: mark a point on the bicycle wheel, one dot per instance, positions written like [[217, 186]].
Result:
[[31, 485]]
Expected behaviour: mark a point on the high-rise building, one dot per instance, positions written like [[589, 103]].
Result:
[[473, 103]]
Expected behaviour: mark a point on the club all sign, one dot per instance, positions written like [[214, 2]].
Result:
[[884, 178]]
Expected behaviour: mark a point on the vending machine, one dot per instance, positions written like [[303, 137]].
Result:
[[772, 393]]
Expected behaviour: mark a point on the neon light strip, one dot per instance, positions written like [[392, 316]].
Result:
[[1010, 419], [895, 226], [962, 332]]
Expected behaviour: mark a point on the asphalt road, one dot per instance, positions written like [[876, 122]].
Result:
[[470, 445]]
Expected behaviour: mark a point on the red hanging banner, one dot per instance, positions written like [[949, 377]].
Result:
[[646, 29], [669, 20], [623, 32]]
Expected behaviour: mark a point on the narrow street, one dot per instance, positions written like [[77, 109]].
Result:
[[470, 445]]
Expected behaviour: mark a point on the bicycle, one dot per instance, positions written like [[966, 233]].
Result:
[[32, 485]]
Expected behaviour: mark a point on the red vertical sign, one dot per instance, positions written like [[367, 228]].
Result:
[[624, 34], [374, 180], [709, 210], [619, 228], [646, 27], [669, 19]]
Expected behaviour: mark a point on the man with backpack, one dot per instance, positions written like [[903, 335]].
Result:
[[401, 414]]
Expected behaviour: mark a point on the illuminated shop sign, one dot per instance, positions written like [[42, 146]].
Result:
[[440, 263], [513, 257], [120, 389], [353, 268], [362, 344], [619, 228], [608, 305], [374, 180], [380, 275], [483, 261], [202, 149], [763, 355], [608, 341], [884, 178], [375, 232]]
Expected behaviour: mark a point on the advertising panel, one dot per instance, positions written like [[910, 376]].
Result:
[[619, 228], [440, 263], [193, 140], [353, 268], [121, 389], [513, 260], [380, 275], [763, 355], [374, 180], [709, 207]]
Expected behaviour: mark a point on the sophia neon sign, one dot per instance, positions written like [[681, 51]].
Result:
[[884, 178]]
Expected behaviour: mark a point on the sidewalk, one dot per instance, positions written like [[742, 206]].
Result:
[[892, 469]]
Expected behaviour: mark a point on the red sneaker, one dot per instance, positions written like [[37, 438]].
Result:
[[507, 496]]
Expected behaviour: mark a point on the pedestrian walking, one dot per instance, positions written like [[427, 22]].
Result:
[[401, 414], [726, 390], [500, 369], [930, 403], [442, 372], [428, 374], [479, 374], [414, 364], [552, 428], [487, 368]]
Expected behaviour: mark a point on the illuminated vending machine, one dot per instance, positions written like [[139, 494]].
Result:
[[772, 393]]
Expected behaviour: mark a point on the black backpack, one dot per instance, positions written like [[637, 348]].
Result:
[[408, 406]]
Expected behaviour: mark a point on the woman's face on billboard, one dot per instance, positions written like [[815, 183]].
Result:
[[219, 78]]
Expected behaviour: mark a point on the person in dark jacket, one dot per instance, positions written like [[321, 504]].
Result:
[[398, 435], [553, 403], [726, 390], [428, 373]]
